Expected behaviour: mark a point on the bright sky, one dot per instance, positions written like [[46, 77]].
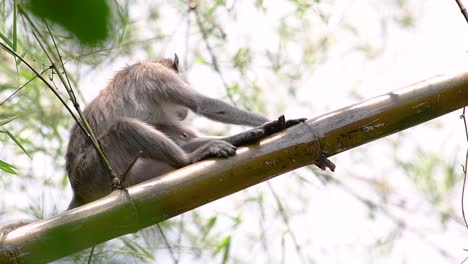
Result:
[[331, 226]]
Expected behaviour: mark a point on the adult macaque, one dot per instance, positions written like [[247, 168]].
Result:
[[139, 115]]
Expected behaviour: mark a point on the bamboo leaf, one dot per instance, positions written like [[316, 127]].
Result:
[[18, 61], [9, 119], [7, 41], [15, 40], [7, 167], [17, 142], [208, 226], [224, 245]]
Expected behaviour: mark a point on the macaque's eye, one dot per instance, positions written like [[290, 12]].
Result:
[[184, 135]]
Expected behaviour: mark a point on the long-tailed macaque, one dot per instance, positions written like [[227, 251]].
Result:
[[139, 115]]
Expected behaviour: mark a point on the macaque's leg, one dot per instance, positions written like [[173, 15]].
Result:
[[123, 143], [145, 169], [129, 136]]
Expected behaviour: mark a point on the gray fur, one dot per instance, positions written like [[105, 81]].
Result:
[[141, 110]]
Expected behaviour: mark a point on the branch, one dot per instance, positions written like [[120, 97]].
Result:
[[195, 185], [462, 9]]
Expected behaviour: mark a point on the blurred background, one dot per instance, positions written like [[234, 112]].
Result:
[[395, 200]]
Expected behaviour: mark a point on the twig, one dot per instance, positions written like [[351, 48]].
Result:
[[84, 125], [91, 253], [24, 85], [396, 219], [125, 174], [464, 167], [42, 79], [462, 9], [463, 117], [130, 43], [262, 227], [166, 242], [464, 260], [285, 218], [214, 60], [179, 236]]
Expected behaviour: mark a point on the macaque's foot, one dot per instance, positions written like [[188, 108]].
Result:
[[323, 163], [280, 124], [217, 149]]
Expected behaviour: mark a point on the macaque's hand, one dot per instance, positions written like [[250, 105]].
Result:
[[269, 128], [215, 149], [280, 124]]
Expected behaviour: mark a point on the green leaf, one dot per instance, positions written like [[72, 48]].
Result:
[[233, 90], [7, 41], [64, 181], [224, 245], [242, 59], [200, 60], [215, 6], [18, 61], [9, 119], [209, 226], [450, 177], [7, 167], [137, 250], [237, 220], [17, 142], [88, 20]]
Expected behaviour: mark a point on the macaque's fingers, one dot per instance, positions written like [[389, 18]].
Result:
[[274, 126], [216, 149], [224, 151], [292, 122], [227, 152], [280, 124], [281, 121]]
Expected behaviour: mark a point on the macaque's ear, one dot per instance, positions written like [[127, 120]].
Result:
[[175, 62]]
